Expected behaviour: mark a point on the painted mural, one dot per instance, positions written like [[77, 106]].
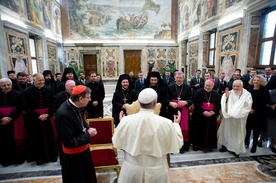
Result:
[[121, 19], [194, 12], [52, 57], [41, 13], [160, 57], [17, 51]]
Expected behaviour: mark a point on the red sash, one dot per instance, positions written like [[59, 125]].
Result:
[[208, 106], [19, 128], [44, 111], [75, 150], [184, 120]]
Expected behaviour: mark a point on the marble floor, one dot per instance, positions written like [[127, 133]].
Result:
[[192, 166]]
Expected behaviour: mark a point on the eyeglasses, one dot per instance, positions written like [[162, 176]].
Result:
[[87, 97]]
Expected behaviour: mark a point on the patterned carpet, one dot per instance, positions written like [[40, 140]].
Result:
[[218, 173]]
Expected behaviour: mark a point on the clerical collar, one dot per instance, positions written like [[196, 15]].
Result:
[[179, 85], [71, 102]]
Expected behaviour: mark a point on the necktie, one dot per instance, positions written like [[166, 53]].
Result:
[[141, 81], [221, 82], [267, 78], [198, 80]]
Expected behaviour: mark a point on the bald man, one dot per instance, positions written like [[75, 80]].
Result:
[[203, 126]]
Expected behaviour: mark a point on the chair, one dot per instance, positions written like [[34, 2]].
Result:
[[135, 107], [104, 155]]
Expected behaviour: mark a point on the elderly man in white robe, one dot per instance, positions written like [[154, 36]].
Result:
[[235, 106], [146, 139]]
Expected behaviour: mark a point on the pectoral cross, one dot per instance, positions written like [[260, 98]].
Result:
[[125, 100], [83, 129], [178, 98], [208, 104]]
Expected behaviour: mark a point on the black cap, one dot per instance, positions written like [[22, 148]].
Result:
[[154, 74], [47, 72], [120, 79]]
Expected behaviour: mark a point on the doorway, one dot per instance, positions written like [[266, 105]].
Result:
[[132, 61], [89, 64]]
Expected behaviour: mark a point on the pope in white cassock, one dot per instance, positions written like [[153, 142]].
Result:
[[235, 106], [146, 139]]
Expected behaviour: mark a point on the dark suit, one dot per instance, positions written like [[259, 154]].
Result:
[[97, 94], [271, 83], [138, 85], [166, 82], [84, 82], [194, 81], [221, 87]]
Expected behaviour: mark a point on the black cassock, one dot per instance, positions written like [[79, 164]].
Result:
[[70, 125], [204, 129], [8, 153], [41, 145], [121, 97]]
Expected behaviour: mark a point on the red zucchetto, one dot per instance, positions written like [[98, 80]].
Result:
[[78, 89]]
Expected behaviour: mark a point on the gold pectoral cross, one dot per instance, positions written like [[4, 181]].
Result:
[[124, 100]]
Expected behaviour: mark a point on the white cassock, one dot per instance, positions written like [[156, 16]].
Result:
[[146, 139], [232, 131]]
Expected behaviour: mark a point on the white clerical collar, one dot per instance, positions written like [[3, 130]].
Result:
[[70, 100]]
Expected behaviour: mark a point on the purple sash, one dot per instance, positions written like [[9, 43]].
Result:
[[184, 120], [44, 111], [19, 128], [208, 106]]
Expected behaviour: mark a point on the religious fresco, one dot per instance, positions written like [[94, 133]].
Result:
[[57, 18], [194, 12], [121, 19], [47, 13], [193, 51], [17, 51], [52, 57], [41, 13], [228, 52], [34, 11], [227, 65], [72, 57]]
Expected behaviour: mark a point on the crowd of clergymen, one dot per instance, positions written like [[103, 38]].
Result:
[[23, 98]]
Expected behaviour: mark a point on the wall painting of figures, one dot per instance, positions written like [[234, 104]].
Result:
[[121, 19], [17, 51]]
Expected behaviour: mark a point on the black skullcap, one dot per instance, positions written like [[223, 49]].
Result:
[[47, 72]]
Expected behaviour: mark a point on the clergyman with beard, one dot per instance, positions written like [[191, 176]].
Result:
[[235, 106]]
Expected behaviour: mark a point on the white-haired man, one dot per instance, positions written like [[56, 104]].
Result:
[[235, 106], [146, 138]]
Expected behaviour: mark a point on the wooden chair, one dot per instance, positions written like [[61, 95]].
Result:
[[104, 155], [135, 107]]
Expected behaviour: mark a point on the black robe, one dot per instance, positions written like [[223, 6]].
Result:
[[41, 145], [20, 87], [203, 130], [75, 167], [118, 102], [60, 98], [97, 94], [8, 153]]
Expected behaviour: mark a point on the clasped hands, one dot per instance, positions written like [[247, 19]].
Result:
[[208, 113], [5, 120], [180, 103]]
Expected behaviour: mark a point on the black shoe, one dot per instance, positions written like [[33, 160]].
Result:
[[181, 151], [40, 162], [223, 149], [260, 144], [253, 149], [236, 155], [195, 148], [273, 149]]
